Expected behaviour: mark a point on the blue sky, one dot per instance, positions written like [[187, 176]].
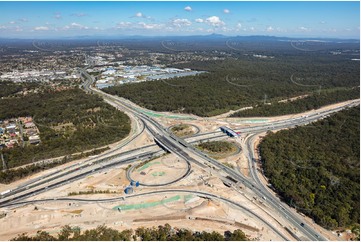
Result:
[[66, 19]]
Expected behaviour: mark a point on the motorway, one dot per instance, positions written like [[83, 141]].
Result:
[[175, 144], [198, 193], [181, 148]]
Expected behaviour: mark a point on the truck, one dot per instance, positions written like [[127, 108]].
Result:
[[4, 192]]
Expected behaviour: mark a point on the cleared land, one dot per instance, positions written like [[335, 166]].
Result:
[[178, 209]]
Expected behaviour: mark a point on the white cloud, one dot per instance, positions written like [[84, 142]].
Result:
[[322, 22], [225, 29], [181, 22], [41, 28], [150, 26], [303, 28], [269, 29], [75, 26], [239, 25], [139, 25], [12, 22], [139, 15], [121, 25], [188, 8], [226, 11], [199, 20], [11, 28], [57, 15], [79, 26], [252, 28], [214, 21]]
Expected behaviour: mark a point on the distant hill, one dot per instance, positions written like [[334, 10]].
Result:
[[187, 38]]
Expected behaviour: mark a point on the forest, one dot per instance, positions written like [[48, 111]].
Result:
[[246, 81], [313, 101], [8, 88], [316, 168], [160, 233], [69, 121]]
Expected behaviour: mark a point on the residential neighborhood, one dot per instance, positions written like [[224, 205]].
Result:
[[19, 131]]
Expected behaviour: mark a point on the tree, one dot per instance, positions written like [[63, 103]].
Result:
[[43, 236], [23, 237], [160, 233], [65, 233], [238, 235], [315, 168]]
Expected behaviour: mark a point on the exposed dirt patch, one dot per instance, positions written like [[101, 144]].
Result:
[[159, 171]]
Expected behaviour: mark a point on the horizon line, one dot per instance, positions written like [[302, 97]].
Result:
[[173, 36]]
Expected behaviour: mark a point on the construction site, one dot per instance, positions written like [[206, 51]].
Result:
[[155, 191]]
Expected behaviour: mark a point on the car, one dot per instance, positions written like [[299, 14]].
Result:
[[302, 224]]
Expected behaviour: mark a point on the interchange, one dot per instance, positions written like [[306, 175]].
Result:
[[183, 149], [168, 141], [199, 193]]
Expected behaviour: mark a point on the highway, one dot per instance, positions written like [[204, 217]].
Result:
[[153, 150], [122, 198], [181, 148], [66, 177], [255, 184], [174, 144], [284, 210]]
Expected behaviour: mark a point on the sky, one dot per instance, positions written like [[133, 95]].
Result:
[[70, 19]]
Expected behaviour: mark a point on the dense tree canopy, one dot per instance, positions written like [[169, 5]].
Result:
[[160, 233], [69, 121], [313, 101], [8, 88], [316, 168], [236, 83]]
